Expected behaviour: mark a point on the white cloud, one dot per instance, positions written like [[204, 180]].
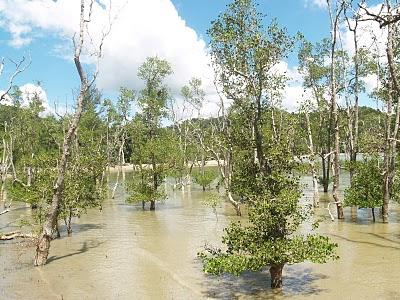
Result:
[[315, 3], [294, 93], [141, 29], [371, 82], [29, 91], [369, 35]]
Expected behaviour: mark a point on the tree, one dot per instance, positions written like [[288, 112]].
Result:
[[270, 239], [334, 13], [84, 177], [204, 177], [186, 120], [43, 246], [263, 175], [312, 64], [85, 184], [389, 92], [117, 119], [244, 54], [365, 190], [151, 144], [311, 158]]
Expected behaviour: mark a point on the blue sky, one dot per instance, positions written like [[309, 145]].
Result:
[[45, 38], [295, 15]]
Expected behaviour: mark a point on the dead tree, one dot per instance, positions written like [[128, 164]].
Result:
[[43, 245], [335, 18], [19, 67]]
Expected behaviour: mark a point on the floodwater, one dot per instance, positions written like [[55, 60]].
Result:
[[123, 252]]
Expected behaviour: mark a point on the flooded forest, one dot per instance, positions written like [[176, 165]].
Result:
[[140, 194]]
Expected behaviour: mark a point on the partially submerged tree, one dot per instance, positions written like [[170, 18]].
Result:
[[186, 118], [270, 240], [312, 64], [117, 118], [204, 177], [264, 174], [311, 154], [151, 144], [388, 91], [43, 246], [335, 12], [366, 190]]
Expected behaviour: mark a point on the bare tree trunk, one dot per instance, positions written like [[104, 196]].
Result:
[[57, 231], [353, 113], [391, 137], [258, 136], [152, 205], [43, 246], [276, 275], [354, 149], [68, 222], [155, 183], [386, 162], [202, 168], [312, 162], [3, 179], [334, 108], [325, 162], [235, 204], [5, 165]]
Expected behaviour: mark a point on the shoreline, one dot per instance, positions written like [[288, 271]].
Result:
[[130, 167]]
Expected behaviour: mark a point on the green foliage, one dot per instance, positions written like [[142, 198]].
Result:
[[206, 177], [269, 239], [141, 186], [193, 93], [36, 161], [153, 147], [366, 186], [261, 148], [395, 188], [213, 200]]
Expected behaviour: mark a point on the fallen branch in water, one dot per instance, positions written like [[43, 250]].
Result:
[[4, 212], [16, 234]]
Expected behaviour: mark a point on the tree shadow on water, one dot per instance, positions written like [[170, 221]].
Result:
[[86, 227], [367, 242], [257, 285], [86, 246], [78, 229]]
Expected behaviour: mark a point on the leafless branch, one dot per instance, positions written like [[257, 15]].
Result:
[[383, 19], [20, 67]]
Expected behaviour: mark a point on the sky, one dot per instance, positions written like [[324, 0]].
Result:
[[175, 30]]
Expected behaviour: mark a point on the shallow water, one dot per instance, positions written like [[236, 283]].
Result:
[[123, 252]]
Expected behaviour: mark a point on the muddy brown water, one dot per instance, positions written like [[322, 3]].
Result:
[[123, 252]]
